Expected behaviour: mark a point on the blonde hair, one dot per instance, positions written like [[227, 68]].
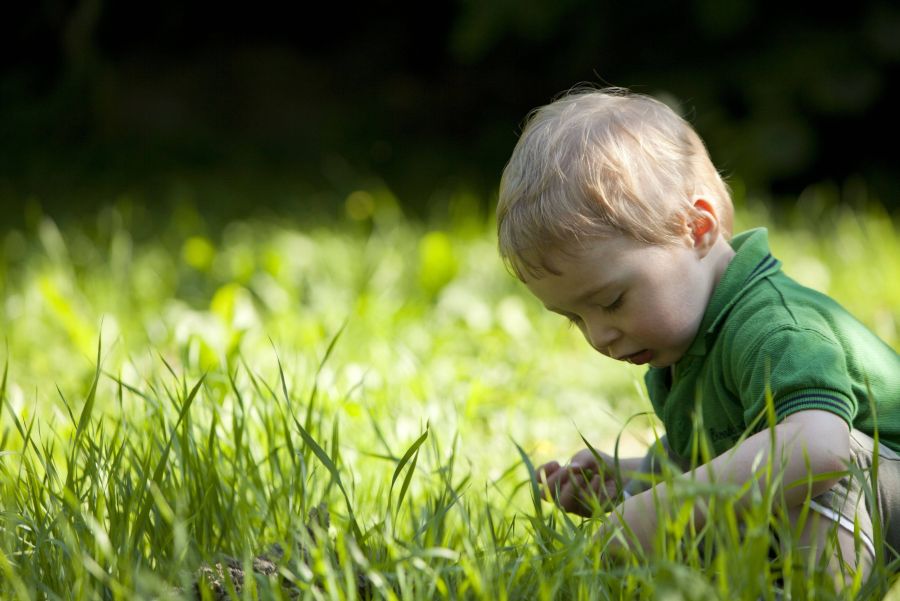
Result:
[[598, 162]]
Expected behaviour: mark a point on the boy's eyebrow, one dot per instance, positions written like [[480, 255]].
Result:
[[583, 296]]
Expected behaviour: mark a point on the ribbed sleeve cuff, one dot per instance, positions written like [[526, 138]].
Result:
[[814, 398]]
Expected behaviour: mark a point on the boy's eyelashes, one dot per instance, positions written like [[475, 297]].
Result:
[[610, 308], [616, 304]]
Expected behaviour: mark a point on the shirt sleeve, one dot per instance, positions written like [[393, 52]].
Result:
[[801, 368]]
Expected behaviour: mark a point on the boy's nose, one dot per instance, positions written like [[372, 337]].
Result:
[[602, 337]]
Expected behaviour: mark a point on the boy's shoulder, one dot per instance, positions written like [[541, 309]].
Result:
[[755, 299], [759, 310], [766, 336]]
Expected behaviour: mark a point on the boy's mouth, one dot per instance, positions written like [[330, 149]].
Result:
[[639, 358]]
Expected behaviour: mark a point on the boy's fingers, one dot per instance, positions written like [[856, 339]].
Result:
[[572, 494], [586, 472], [573, 486], [549, 467], [546, 470], [611, 490], [597, 490], [574, 499], [557, 482], [567, 497], [549, 480]]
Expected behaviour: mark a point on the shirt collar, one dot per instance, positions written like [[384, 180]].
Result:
[[752, 261]]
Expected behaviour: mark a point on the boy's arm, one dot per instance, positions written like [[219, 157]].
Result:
[[820, 436]]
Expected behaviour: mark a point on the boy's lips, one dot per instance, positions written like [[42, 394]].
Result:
[[639, 358]]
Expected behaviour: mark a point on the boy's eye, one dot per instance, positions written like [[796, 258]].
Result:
[[615, 305]]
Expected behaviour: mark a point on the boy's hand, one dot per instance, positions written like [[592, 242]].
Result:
[[582, 486]]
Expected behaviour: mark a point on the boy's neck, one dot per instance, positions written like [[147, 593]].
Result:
[[720, 255]]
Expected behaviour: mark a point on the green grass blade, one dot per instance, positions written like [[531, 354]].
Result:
[[411, 452], [315, 389], [335, 474], [146, 497], [533, 482], [3, 385], [84, 418]]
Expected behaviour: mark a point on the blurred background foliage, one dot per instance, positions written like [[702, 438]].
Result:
[[294, 107]]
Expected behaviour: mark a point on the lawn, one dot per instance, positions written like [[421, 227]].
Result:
[[354, 405]]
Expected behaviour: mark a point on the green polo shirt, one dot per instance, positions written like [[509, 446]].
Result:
[[761, 329]]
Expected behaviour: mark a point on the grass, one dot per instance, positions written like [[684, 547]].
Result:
[[172, 396]]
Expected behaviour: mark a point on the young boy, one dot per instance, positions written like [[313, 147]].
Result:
[[613, 216]]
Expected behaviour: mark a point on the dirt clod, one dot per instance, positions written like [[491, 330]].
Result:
[[227, 574]]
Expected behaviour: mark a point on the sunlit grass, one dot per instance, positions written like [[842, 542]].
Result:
[[172, 398]]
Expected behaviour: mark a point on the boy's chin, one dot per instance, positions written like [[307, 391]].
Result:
[[660, 362]]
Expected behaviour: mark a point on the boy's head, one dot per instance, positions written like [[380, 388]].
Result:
[[602, 162]]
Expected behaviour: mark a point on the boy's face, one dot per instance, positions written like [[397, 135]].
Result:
[[632, 301]]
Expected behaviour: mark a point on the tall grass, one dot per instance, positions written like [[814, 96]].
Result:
[[370, 397]]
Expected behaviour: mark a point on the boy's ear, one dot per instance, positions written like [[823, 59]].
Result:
[[704, 225]]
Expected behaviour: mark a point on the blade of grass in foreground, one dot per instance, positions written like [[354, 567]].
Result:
[[3, 385], [335, 474], [315, 388], [543, 532], [84, 418], [146, 499], [411, 452], [310, 441]]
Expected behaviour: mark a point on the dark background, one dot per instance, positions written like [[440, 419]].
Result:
[[235, 108]]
